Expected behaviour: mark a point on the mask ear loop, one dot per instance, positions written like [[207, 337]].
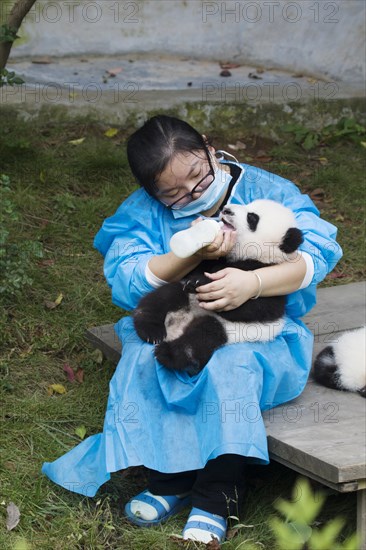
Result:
[[220, 155]]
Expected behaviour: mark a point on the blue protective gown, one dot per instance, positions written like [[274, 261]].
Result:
[[172, 422]]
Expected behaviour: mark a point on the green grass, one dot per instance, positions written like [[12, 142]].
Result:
[[62, 193]]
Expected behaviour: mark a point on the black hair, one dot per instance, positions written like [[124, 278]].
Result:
[[152, 147]]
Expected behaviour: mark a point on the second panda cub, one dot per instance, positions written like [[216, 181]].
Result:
[[185, 335]]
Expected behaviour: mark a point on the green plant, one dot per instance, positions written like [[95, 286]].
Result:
[[15, 259], [7, 36], [9, 78], [296, 531], [310, 138]]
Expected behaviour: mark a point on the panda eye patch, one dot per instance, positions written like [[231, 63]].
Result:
[[252, 220]]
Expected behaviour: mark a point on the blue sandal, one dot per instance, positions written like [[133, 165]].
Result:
[[203, 526], [165, 507]]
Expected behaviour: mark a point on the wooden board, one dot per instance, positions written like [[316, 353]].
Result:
[[338, 308], [105, 339], [323, 431]]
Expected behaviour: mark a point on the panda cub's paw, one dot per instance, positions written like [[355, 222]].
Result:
[[191, 284], [148, 327], [173, 357]]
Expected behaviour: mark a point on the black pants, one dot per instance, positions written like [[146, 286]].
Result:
[[218, 488]]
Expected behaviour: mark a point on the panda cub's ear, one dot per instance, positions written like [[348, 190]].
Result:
[[291, 240], [252, 219]]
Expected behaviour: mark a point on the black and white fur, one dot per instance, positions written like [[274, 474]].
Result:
[[342, 366], [185, 334]]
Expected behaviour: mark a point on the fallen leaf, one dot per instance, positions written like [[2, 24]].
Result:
[[53, 305], [336, 275], [79, 375], [239, 145], [80, 431], [339, 218], [13, 516], [46, 263], [59, 299], [323, 160], [264, 159], [312, 80], [56, 388], [111, 132], [262, 156], [363, 143], [69, 372], [317, 194], [42, 177], [42, 60], [115, 71], [77, 141], [254, 76], [98, 356], [228, 65]]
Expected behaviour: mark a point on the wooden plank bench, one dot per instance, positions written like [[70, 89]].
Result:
[[321, 434]]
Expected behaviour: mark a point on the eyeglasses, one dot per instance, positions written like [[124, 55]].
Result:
[[201, 186]]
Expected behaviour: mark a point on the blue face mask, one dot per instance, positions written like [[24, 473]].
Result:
[[208, 198]]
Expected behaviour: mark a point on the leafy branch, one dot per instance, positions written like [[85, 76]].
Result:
[[8, 34], [297, 530], [9, 78]]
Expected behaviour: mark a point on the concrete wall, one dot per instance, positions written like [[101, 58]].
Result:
[[318, 37]]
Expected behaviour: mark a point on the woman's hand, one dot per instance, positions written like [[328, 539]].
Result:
[[229, 289], [221, 246]]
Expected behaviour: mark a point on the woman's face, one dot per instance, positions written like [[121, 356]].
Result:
[[185, 178]]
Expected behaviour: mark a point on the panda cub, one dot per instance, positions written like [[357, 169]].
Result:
[[342, 366], [185, 335]]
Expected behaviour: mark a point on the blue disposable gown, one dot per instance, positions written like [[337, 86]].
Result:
[[169, 421]]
